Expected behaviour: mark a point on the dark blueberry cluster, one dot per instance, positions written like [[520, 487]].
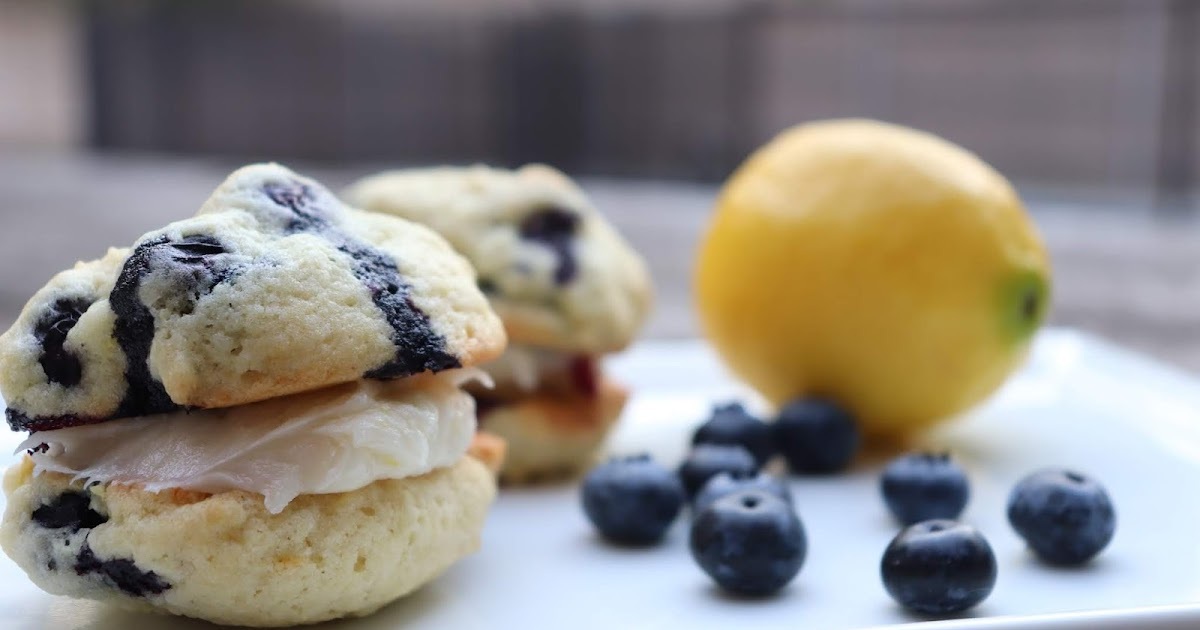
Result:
[[72, 511], [745, 533], [747, 536]]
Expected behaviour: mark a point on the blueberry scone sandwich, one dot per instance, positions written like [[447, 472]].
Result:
[[567, 286], [253, 416]]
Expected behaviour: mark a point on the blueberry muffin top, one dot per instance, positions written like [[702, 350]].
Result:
[[557, 273], [274, 287]]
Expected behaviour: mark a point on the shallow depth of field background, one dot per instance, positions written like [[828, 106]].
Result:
[[119, 116]]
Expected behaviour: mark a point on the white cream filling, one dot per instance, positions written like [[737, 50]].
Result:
[[333, 440], [526, 366]]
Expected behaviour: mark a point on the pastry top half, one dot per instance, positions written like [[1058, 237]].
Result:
[[557, 273], [274, 287]]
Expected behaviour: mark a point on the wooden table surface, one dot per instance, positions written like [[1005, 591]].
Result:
[[1121, 273]]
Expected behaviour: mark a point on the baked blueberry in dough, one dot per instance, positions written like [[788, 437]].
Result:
[[274, 287], [60, 365], [253, 416], [567, 286]]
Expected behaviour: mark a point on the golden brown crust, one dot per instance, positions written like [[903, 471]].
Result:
[[489, 449], [554, 436]]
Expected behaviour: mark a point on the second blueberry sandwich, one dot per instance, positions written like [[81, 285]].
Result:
[[567, 286]]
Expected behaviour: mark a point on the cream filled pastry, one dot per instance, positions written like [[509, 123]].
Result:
[[254, 416], [567, 286]]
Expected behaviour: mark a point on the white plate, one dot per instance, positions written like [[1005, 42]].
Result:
[[1132, 423]]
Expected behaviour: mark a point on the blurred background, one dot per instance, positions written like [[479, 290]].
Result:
[[121, 115]]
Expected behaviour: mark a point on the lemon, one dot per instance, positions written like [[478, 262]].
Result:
[[876, 265]]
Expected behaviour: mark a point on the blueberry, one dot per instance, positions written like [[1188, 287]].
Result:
[[732, 424], [1066, 518], [923, 486], [632, 500], [69, 509], [196, 249], [301, 201], [121, 573], [554, 228], [60, 365], [749, 542], [938, 567], [195, 264], [419, 347], [134, 329], [706, 460], [19, 421], [816, 436], [726, 483], [548, 224]]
